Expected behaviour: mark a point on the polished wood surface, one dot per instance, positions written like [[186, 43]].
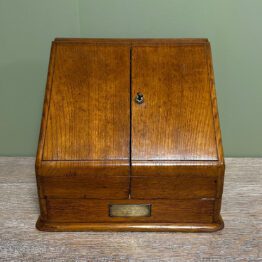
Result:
[[175, 187], [240, 240], [135, 41], [134, 227], [90, 87], [98, 145], [175, 122], [99, 187], [163, 211]]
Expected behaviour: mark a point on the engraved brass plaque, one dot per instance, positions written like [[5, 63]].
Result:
[[130, 210]]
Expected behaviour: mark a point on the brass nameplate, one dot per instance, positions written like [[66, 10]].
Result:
[[129, 210]]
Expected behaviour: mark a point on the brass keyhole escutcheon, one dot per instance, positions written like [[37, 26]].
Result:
[[139, 98]]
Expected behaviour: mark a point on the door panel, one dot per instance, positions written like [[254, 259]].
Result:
[[91, 86], [175, 120]]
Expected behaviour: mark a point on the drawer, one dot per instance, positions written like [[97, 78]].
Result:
[[184, 186], [162, 211], [89, 186]]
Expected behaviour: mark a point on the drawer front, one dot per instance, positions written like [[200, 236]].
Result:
[[95, 186], [161, 211], [174, 187]]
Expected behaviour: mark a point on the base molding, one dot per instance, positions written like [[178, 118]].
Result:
[[133, 227]]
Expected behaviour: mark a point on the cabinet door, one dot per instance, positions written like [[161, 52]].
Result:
[[89, 111], [175, 120], [86, 152]]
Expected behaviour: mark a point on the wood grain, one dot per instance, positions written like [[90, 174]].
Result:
[[240, 240], [163, 211], [174, 187], [90, 87], [78, 186], [175, 122], [97, 143], [134, 41]]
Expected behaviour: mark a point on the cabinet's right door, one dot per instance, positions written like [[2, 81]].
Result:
[[173, 131], [174, 121]]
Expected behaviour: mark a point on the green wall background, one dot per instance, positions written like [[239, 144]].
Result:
[[234, 28]]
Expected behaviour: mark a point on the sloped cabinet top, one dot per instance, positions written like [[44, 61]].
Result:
[[90, 112]]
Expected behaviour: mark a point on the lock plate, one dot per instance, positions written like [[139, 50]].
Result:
[[130, 210]]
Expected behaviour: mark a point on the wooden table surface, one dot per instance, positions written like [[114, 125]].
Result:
[[240, 240]]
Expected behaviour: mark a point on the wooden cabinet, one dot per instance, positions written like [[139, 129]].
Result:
[[130, 137]]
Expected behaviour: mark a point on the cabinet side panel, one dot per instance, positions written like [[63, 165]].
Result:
[[46, 106], [214, 106]]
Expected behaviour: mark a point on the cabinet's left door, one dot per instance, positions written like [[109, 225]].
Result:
[[89, 107], [84, 147]]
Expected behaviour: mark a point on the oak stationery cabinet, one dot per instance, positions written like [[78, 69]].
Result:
[[130, 137]]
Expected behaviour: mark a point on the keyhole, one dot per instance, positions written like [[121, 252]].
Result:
[[139, 98]]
